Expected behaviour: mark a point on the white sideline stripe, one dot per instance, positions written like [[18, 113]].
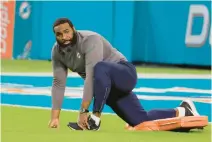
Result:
[[45, 108], [143, 75]]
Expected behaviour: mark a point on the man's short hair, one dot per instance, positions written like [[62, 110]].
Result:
[[62, 21]]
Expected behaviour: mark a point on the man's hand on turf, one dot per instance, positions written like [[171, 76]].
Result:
[[54, 123], [83, 120]]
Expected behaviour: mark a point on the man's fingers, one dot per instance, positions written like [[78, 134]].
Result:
[[81, 125], [87, 125], [84, 124], [52, 125]]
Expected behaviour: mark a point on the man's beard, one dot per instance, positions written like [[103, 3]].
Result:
[[72, 42]]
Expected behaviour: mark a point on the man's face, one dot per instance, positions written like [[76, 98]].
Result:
[[64, 34]]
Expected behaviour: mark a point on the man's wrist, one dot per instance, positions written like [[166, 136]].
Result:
[[83, 110], [55, 114], [85, 104]]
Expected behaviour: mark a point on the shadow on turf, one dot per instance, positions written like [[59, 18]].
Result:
[[186, 130]]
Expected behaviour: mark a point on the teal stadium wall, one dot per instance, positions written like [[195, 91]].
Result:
[[142, 31]]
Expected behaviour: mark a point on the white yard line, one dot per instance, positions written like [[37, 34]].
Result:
[[143, 75]]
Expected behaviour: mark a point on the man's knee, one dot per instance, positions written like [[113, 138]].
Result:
[[101, 67]]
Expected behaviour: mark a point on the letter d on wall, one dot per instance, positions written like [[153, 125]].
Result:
[[197, 40]]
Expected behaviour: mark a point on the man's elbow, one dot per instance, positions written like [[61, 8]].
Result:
[[58, 83]]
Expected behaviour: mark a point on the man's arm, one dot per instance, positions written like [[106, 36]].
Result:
[[58, 86], [93, 48]]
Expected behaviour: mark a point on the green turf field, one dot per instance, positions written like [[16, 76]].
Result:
[[45, 66], [30, 125], [25, 125]]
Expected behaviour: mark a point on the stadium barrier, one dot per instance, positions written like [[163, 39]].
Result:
[[159, 32]]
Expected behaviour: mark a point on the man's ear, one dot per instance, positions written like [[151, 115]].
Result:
[[53, 30]]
